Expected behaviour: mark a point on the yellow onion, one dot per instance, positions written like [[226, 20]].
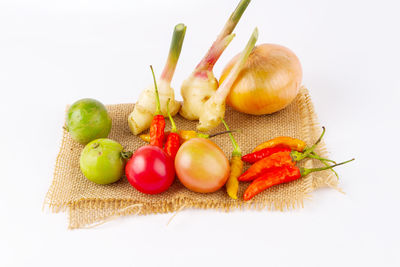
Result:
[[269, 81]]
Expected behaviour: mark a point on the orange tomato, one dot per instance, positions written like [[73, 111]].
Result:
[[201, 165]]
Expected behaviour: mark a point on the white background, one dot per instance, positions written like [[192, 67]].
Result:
[[53, 53]]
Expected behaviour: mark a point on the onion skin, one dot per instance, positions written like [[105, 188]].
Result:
[[269, 81]]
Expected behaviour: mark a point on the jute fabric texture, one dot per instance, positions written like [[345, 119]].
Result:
[[88, 203]]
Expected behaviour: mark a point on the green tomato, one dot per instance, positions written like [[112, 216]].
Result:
[[87, 119], [103, 160]]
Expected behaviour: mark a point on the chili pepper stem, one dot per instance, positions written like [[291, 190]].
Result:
[[203, 135], [311, 149], [305, 171], [232, 185], [186, 135], [313, 155], [158, 107], [173, 126], [219, 133], [236, 149], [297, 156], [326, 164], [320, 137]]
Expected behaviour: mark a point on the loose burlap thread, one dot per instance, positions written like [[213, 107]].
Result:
[[88, 203]]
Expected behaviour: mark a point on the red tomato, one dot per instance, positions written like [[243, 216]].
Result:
[[150, 170], [201, 165]]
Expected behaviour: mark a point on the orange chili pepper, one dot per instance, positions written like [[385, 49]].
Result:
[[283, 141], [295, 155], [288, 142], [146, 137], [276, 160], [269, 147], [232, 185]]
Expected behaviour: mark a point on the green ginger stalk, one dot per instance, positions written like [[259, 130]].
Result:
[[202, 84], [142, 114], [214, 108]]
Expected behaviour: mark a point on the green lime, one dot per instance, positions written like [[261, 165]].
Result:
[[103, 160], [87, 119]]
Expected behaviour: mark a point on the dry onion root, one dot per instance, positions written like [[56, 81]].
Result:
[[214, 108], [142, 114], [202, 84]]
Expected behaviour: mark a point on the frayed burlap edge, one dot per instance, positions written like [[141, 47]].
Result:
[[103, 209], [112, 207], [312, 130]]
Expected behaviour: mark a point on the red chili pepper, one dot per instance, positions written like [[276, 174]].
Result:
[[157, 131], [173, 142], [280, 175], [158, 123], [269, 163], [284, 142], [263, 153], [279, 159]]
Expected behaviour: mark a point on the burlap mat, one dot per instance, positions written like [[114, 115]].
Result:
[[89, 203]]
